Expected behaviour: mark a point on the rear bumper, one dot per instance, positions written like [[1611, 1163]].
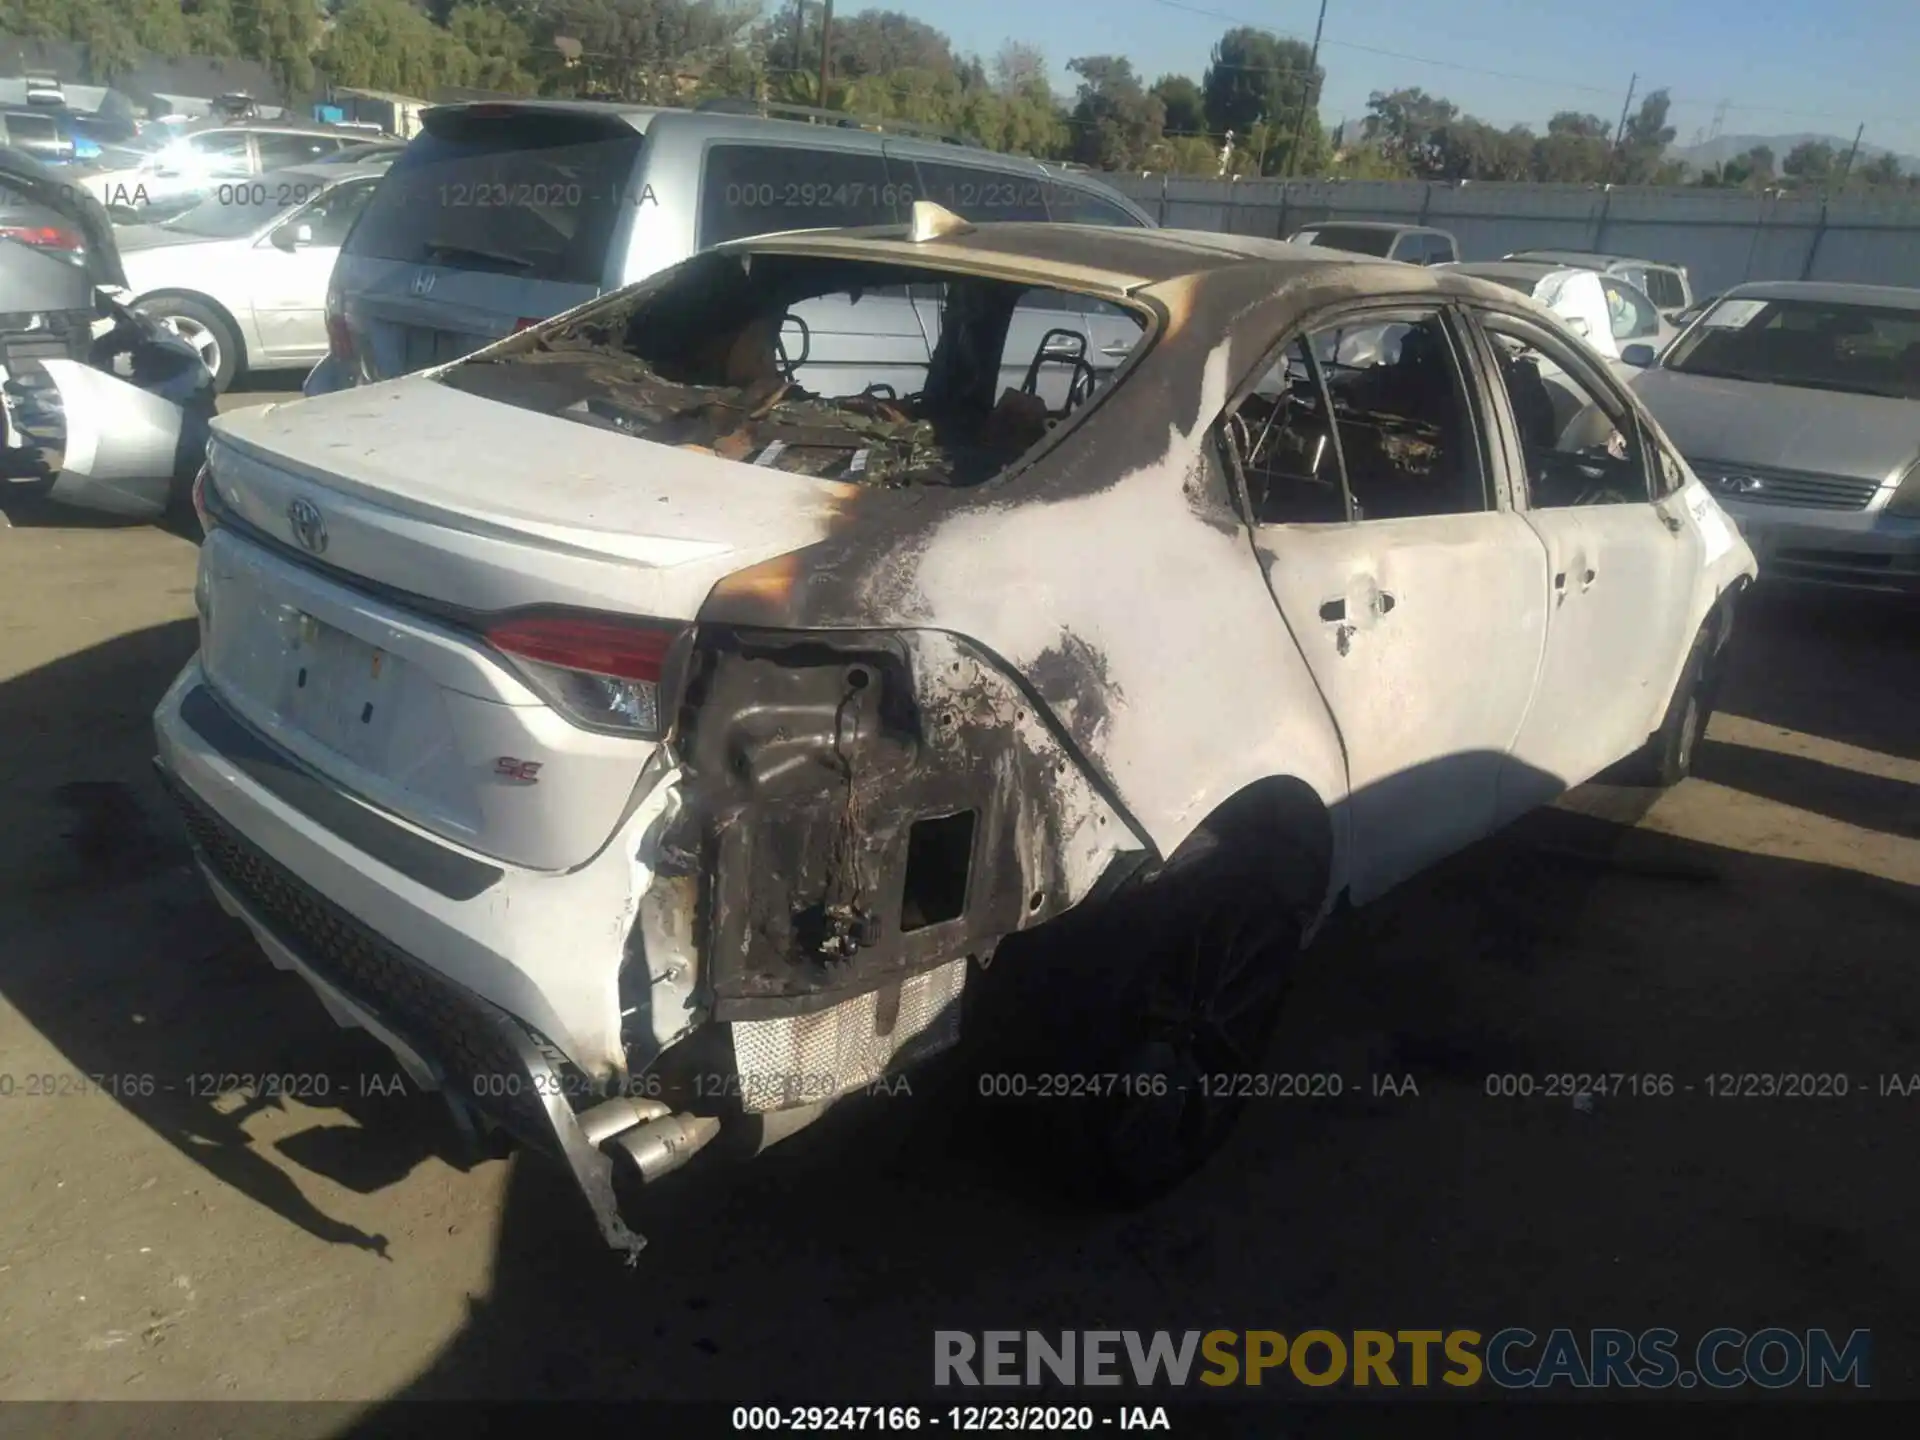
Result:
[[503, 988], [485, 982], [1863, 551]]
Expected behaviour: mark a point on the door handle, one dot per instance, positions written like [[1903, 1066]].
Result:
[[1116, 352], [1335, 611]]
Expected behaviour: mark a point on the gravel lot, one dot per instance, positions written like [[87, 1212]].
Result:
[[1760, 918]]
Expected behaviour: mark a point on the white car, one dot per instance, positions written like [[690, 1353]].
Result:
[[243, 274], [1607, 311], [174, 169], [649, 750]]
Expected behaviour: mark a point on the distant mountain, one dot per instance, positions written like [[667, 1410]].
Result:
[[1724, 147]]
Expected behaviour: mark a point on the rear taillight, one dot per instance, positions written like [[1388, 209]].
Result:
[[600, 673], [525, 322], [339, 338], [199, 494], [45, 237]]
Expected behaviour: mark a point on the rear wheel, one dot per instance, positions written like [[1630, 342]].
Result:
[[203, 327], [1138, 1017], [1208, 996]]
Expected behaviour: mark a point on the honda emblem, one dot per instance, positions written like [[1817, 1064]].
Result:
[[423, 282]]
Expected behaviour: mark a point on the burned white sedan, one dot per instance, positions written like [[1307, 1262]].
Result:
[[651, 726]]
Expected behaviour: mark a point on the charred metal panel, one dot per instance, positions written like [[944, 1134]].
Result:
[[825, 780], [1112, 574]]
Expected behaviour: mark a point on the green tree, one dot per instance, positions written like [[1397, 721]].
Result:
[[1115, 119], [880, 42], [1573, 151], [210, 27], [1405, 126], [489, 50], [1644, 141], [1809, 164], [388, 45], [1018, 68], [1184, 104], [1258, 77], [1882, 170]]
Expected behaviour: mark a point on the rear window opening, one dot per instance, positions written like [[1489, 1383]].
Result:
[[509, 191], [877, 374]]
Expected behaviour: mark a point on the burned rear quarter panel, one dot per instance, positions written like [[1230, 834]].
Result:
[[1112, 575]]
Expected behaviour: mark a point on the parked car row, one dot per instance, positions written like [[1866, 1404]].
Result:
[[730, 581]]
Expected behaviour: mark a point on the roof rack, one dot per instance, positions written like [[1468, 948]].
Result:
[[773, 109]]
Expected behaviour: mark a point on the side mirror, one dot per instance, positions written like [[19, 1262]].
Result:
[[292, 237], [1640, 355]]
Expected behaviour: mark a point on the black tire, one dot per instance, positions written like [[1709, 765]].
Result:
[[199, 319], [1186, 985], [1668, 756]]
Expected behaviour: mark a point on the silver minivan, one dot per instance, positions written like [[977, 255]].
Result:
[[500, 214]]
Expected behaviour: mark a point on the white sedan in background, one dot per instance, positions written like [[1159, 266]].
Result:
[[1609, 313], [243, 274]]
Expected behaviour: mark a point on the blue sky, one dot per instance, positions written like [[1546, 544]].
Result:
[[1783, 65]]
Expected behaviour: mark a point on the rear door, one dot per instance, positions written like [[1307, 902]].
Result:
[[492, 217], [1621, 556], [1415, 595]]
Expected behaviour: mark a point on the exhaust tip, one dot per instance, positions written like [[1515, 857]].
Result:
[[660, 1147]]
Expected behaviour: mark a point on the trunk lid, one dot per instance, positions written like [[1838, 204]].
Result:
[[426, 510]]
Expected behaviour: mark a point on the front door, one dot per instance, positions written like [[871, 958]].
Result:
[[290, 293], [1621, 561], [1413, 593]]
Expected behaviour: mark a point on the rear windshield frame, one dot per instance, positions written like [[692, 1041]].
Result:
[[609, 306]]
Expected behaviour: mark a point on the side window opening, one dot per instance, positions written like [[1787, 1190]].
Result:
[[1581, 445], [1401, 441], [1405, 425], [1279, 439]]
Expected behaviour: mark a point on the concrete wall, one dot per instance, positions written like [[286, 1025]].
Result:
[[1722, 237]]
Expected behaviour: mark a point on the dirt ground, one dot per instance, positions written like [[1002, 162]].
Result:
[[163, 1243]]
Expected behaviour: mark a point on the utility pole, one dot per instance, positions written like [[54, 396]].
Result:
[[826, 50], [1621, 130], [1306, 94], [1846, 167]]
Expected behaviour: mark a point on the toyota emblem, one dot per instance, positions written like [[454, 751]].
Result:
[[309, 526]]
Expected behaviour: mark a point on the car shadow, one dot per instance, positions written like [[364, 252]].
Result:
[[116, 954], [1838, 665], [1450, 1178], [1872, 802]]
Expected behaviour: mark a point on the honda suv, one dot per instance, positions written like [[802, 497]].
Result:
[[501, 214]]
